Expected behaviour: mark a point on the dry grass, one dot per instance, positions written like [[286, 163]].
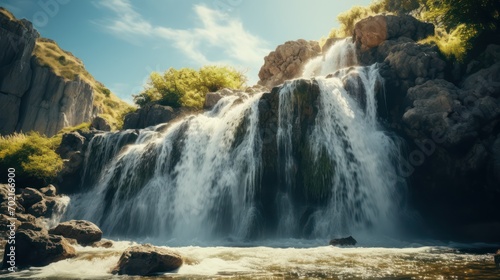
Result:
[[65, 65], [7, 13]]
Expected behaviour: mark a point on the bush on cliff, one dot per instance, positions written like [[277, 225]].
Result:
[[188, 87], [32, 156]]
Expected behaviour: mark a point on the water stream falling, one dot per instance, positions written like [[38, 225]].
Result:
[[201, 178]]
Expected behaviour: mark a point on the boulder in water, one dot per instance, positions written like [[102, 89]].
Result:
[[147, 259], [36, 248], [497, 259], [347, 241], [103, 243], [84, 232]]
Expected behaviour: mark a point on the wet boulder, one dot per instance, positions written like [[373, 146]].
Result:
[[36, 248], [347, 241], [84, 232], [146, 260]]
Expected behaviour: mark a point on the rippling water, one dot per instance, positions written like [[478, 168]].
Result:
[[324, 262]]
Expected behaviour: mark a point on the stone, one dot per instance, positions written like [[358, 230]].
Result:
[[100, 123], [71, 142], [84, 232], [497, 259], [49, 190], [150, 115], [146, 260], [29, 196], [35, 248], [372, 31], [213, 97], [287, 62], [103, 243], [347, 241]]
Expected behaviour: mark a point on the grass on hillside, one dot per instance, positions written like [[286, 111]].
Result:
[[66, 65]]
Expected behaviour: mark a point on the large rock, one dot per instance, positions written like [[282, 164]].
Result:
[[29, 196], [287, 62], [32, 96], [213, 97], [347, 241], [147, 259], [100, 123], [372, 31], [35, 248], [497, 259], [84, 232], [152, 114]]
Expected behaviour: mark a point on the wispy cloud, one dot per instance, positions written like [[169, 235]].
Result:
[[214, 30]]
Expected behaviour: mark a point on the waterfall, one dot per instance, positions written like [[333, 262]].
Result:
[[331, 171]]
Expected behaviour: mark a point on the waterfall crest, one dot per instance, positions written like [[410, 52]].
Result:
[[202, 177]]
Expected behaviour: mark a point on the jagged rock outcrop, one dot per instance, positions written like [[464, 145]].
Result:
[[287, 62], [32, 96]]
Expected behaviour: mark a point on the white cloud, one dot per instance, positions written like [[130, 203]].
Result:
[[215, 31]]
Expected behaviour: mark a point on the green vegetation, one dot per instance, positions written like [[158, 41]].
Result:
[[65, 65], [461, 25], [188, 87], [33, 155]]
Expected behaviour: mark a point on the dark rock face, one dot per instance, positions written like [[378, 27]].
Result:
[[287, 62], [347, 241], [32, 97], [452, 127], [147, 260], [33, 248], [84, 232], [152, 114]]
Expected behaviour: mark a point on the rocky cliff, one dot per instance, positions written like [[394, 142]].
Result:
[[451, 125], [449, 119], [42, 87]]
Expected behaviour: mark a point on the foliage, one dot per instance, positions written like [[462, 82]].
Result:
[[188, 87], [349, 18], [32, 155]]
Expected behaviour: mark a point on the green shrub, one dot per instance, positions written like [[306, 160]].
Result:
[[188, 87], [33, 157]]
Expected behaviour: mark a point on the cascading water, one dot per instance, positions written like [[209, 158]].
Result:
[[201, 178]]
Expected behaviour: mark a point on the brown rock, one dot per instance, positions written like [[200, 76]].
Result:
[[287, 62], [84, 232], [103, 243], [49, 190], [371, 32], [29, 196], [35, 248], [147, 259]]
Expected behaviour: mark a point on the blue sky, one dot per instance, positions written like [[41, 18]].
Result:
[[122, 41]]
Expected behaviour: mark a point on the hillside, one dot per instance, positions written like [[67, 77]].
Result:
[[44, 88]]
